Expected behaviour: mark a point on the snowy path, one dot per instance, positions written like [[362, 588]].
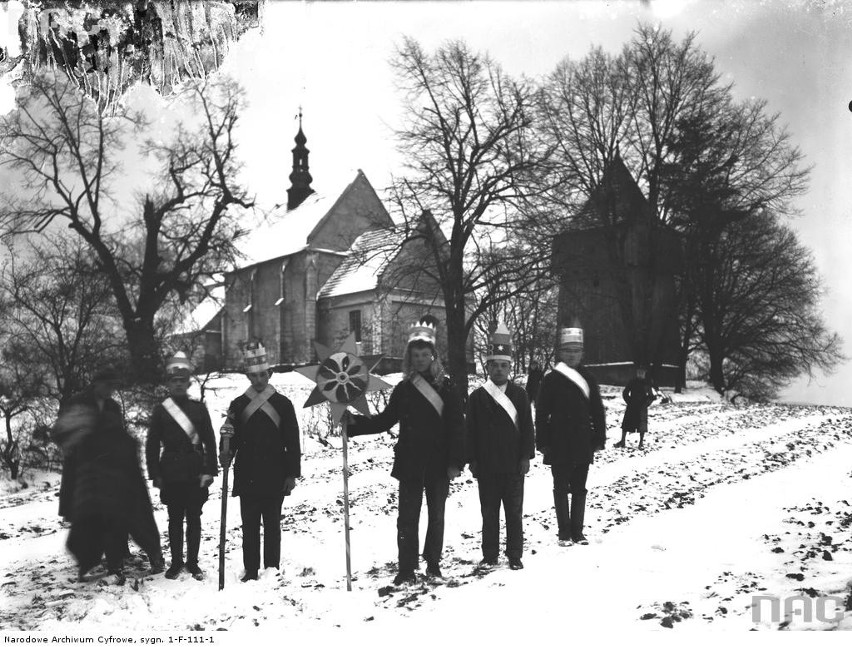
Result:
[[657, 520]]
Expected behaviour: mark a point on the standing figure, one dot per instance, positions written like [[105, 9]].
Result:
[[638, 394], [103, 492], [534, 380], [430, 450], [263, 434], [500, 444], [570, 427], [187, 465]]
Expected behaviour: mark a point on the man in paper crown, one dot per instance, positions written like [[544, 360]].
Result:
[[570, 427], [500, 444], [261, 430], [429, 452], [185, 468]]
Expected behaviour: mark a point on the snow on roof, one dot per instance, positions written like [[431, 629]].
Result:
[[287, 232], [203, 314], [370, 253]]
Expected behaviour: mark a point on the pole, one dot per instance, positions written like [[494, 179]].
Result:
[[224, 516], [346, 504]]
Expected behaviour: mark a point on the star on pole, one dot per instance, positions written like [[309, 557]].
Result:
[[342, 379]]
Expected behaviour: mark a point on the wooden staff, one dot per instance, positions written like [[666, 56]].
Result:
[[226, 443], [346, 503]]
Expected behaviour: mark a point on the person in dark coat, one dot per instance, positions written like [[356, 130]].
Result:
[[103, 492], [638, 394], [570, 428], [186, 467], [429, 452], [500, 443], [534, 378], [262, 433]]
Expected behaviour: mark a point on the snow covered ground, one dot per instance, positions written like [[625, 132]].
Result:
[[725, 503]]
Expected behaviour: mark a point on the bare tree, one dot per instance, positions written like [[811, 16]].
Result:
[[59, 308], [184, 229], [470, 156], [766, 327], [731, 165], [20, 384]]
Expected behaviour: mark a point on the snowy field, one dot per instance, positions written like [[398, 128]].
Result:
[[725, 503]]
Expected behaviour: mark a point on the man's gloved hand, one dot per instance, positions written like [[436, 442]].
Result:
[[157, 482], [289, 484], [524, 466], [474, 469], [453, 472], [206, 480]]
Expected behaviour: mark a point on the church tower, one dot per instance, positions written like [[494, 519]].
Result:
[[300, 178]]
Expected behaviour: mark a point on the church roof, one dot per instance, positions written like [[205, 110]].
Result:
[[368, 258], [201, 316], [288, 232], [616, 199]]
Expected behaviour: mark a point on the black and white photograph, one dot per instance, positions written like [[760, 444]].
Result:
[[476, 320]]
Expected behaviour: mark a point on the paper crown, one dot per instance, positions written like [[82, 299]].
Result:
[[423, 330], [178, 364], [255, 358], [500, 344], [570, 336]]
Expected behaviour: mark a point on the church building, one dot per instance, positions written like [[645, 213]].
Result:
[[329, 264]]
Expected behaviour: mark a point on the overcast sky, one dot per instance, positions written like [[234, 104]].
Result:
[[332, 59]]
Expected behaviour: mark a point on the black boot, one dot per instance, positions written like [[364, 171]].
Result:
[[193, 542], [560, 503], [578, 512], [176, 541]]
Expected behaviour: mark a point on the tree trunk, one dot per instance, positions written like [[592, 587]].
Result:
[[9, 452], [144, 350], [456, 340]]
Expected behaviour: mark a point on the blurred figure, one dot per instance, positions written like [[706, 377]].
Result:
[[638, 394], [187, 465], [103, 493]]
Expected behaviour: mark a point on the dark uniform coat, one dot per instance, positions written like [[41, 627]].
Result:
[[265, 454], [569, 425], [177, 450], [427, 441], [493, 440]]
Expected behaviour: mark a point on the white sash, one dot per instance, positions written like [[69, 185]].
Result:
[[574, 376], [260, 401], [182, 419], [502, 399], [428, 392]]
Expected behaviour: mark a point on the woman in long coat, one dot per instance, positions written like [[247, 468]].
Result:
[[638, 394]]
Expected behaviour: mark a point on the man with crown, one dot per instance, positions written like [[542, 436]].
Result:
[[262, 433], [500, 444], [429, 452], [570, 427], [181, 456]]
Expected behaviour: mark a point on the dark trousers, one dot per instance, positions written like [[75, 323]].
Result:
[[254, 510], [569, 477], [507, 489], [184, 501], [437, 487]]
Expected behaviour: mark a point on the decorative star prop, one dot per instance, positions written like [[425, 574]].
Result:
[[342, 379]]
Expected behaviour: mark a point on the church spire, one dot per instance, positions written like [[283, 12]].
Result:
[[300, 178]]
